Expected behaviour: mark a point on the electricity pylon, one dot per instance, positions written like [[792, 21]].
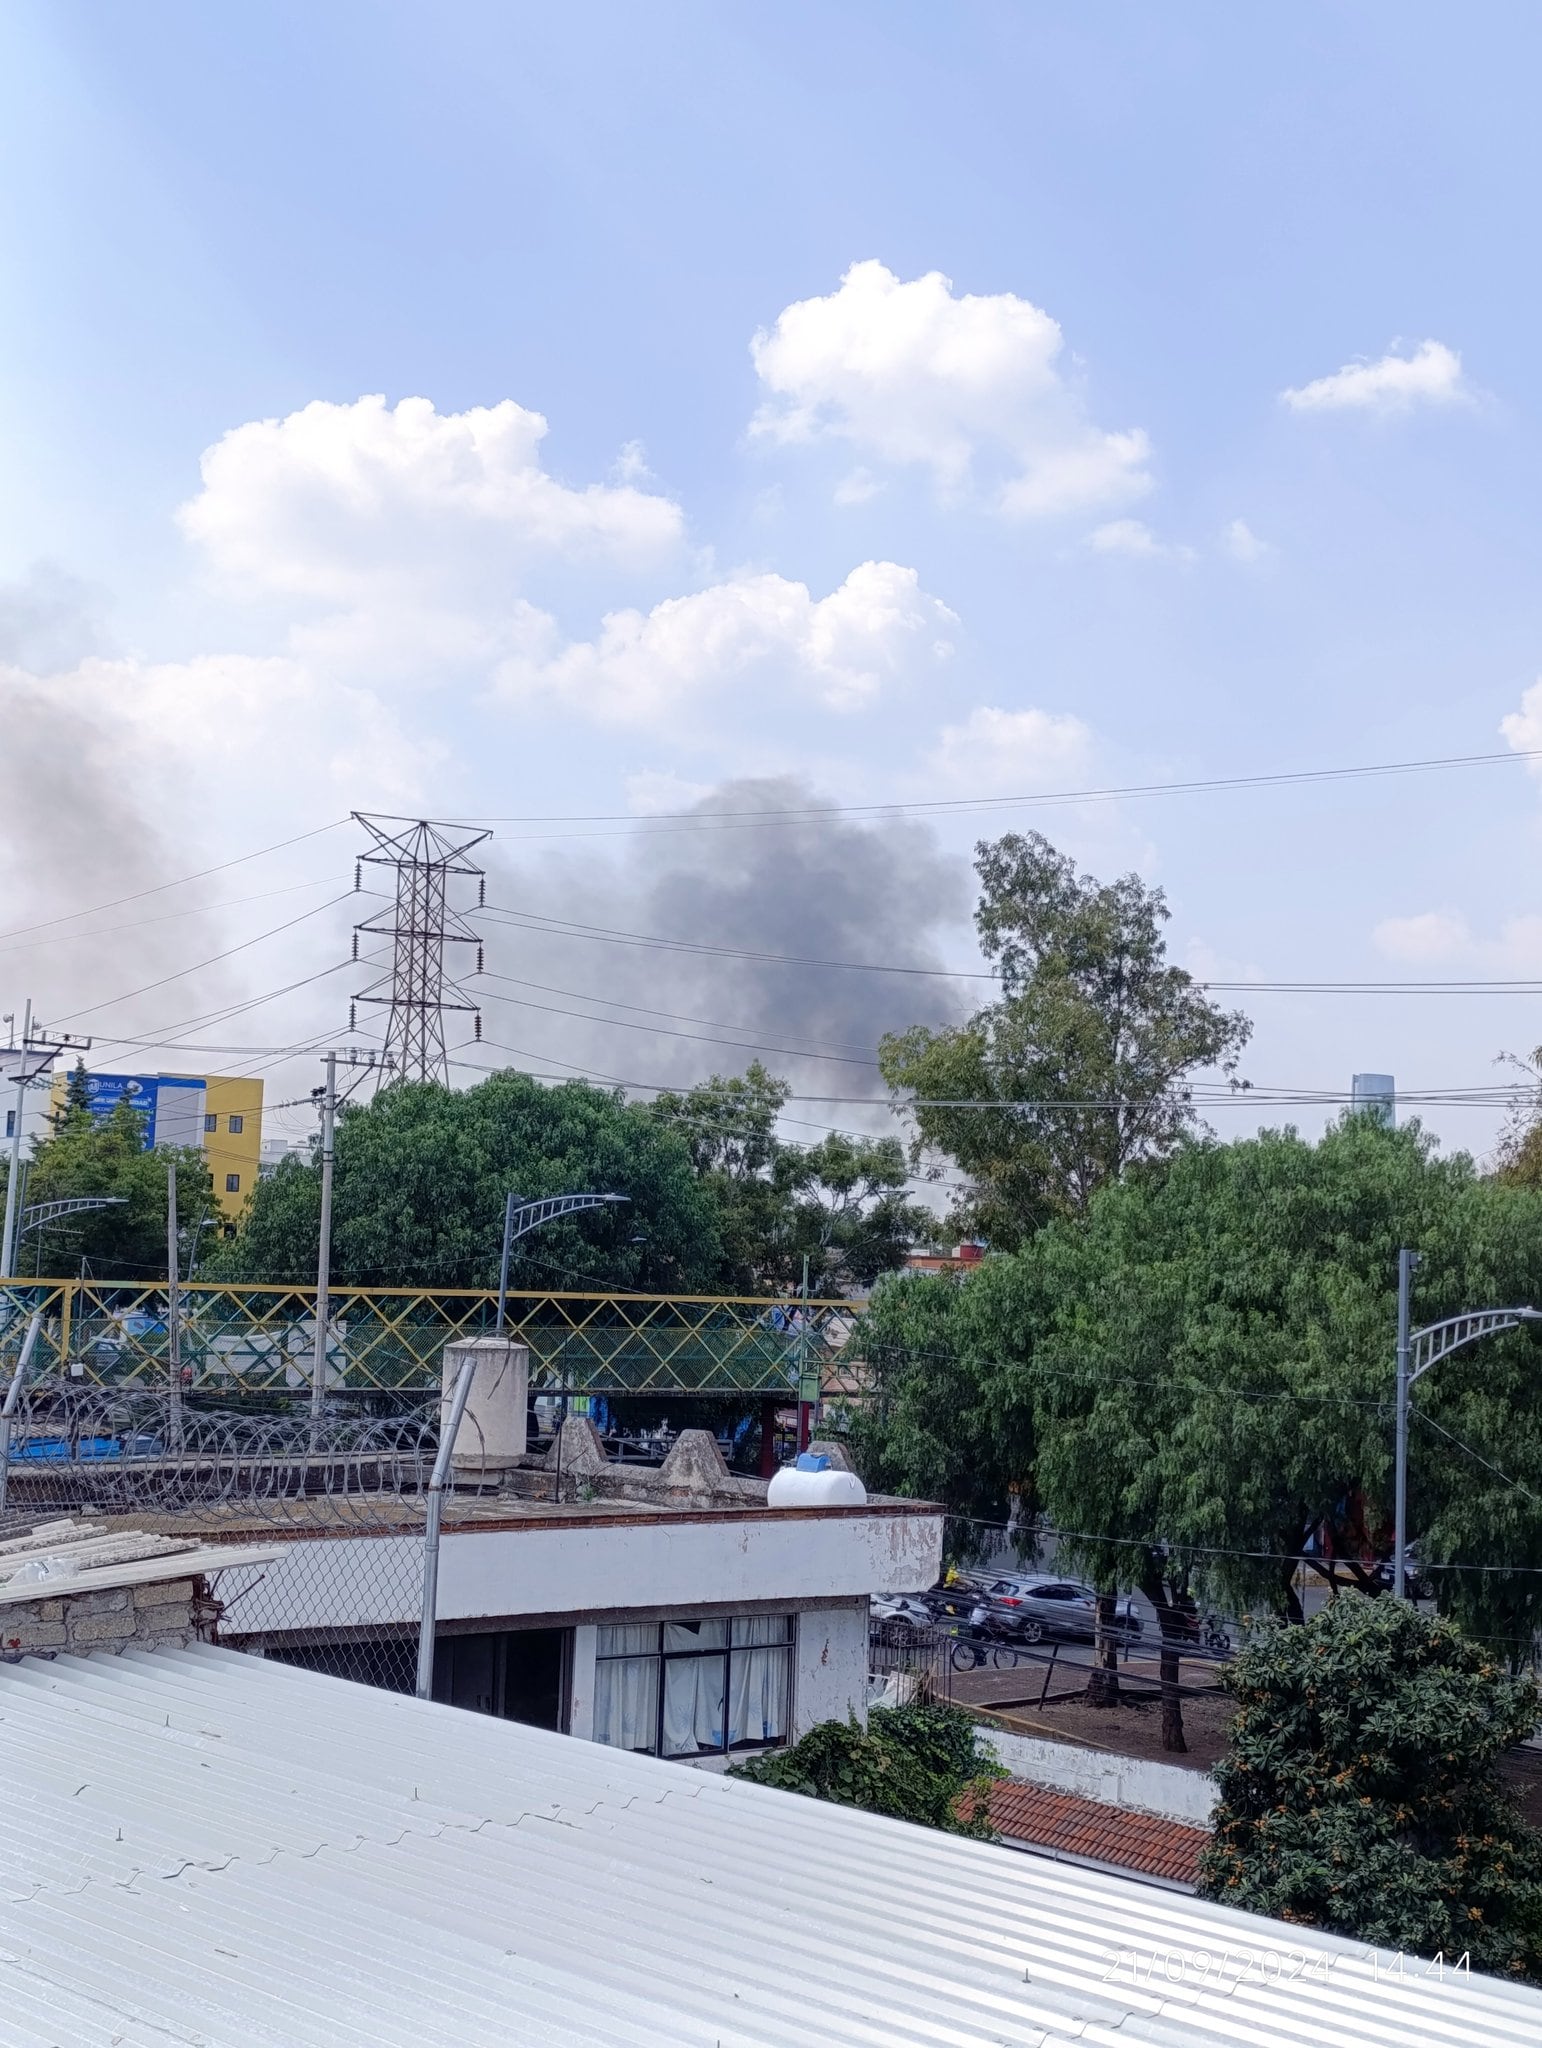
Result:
[[422, 925]]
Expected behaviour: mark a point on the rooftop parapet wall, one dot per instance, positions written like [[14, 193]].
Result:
[[166, 1613]]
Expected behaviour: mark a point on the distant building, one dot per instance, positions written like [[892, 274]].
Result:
[[1375, 1094], [220, 1113], [276, 1150], [962, 1259], [35, 1104]]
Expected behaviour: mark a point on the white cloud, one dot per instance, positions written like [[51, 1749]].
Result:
[[753, 633], [1432, 375], [1422, 940], [968, 387], [1434, 938], [1005, 751], [1242, 543], [1523, 729], [1134, 537], [857, 487], [336, 502]]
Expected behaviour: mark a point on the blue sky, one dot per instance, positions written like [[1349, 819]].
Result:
[[214, 219]]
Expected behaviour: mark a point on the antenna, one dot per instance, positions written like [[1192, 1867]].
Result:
[[421, 925]]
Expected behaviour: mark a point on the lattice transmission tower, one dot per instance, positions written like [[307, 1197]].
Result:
[[422, 925]]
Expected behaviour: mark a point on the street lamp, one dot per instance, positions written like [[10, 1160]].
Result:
[[520, 1218], [1417, 1351]]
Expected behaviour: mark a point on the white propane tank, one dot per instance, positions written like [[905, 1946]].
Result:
[[813, 1482]]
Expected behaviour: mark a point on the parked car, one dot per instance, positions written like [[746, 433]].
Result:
[[1026, 1609], [911, 1607]]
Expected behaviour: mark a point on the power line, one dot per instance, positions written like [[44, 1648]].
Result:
[[111, 931], [641, 1010], [694, 821], [692, 1037], [1487, 1463], [569, 928], [110, 1002], [1232, 1550], [66, 917], [566, 928]]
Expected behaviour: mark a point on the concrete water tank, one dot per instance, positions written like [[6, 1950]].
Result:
[[492, 1430]]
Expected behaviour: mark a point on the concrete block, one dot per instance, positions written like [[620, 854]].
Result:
[[110, 1600], [695, 1467], [51, 1610], [100, 1628], [162, 1591], [576, 1450], [156, 1621], [34, 1635]]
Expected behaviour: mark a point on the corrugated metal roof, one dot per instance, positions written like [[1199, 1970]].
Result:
[[201, 1847]]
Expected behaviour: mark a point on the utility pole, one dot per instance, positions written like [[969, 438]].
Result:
[[324, 1250], [42, 1048], [1406, 1261], [805, 1399], [13, 1171], [173, 1313], [511, 1202]]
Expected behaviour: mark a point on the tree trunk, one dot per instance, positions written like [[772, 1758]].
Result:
[[1171, 1621], [1294, 1611], [1103, 1685], [1172, 1697]]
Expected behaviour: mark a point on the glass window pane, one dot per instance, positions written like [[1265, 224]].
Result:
[[629, 1639], [762, 1628], [761, 1685], [626, 1703], [695, 1635], [694, 1701]]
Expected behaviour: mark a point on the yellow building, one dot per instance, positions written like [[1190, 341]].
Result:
[[232, 1137], [220, 1112]]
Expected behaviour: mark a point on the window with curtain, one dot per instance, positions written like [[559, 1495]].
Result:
[[694, 1688]]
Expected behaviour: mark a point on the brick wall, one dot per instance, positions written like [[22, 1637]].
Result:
[[169, 1611]]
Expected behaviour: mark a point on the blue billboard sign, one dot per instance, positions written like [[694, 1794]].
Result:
[[148, 1095]]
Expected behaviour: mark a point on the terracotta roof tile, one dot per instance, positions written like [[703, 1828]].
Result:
[[1104, 1834]]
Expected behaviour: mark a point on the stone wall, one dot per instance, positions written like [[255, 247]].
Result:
[[167, 1611]]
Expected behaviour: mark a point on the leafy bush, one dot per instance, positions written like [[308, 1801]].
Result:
[[916, 1763], [1360, 1793]]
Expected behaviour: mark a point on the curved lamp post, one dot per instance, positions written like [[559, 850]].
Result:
[[520, 1218], [1417, 1351]]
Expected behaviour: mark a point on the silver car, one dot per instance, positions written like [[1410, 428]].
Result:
[[1027, 1608]]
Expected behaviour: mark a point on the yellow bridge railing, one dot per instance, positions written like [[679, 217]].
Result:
[[250, 1338]]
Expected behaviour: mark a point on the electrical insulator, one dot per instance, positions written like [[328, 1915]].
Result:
[[353, 1016], [481, 891], [479, 959], [358, 876], [355, 945], [479, 1024]]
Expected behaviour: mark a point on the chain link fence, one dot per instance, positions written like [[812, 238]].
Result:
[[345, 1495]]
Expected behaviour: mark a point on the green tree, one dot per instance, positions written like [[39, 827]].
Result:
[[83, 1156], [1198, 1376], [1360, 1792], [728, 1126], [918, 1763], [421, 1175], [1090, 1050], [842, 1203], [849, 1212]]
